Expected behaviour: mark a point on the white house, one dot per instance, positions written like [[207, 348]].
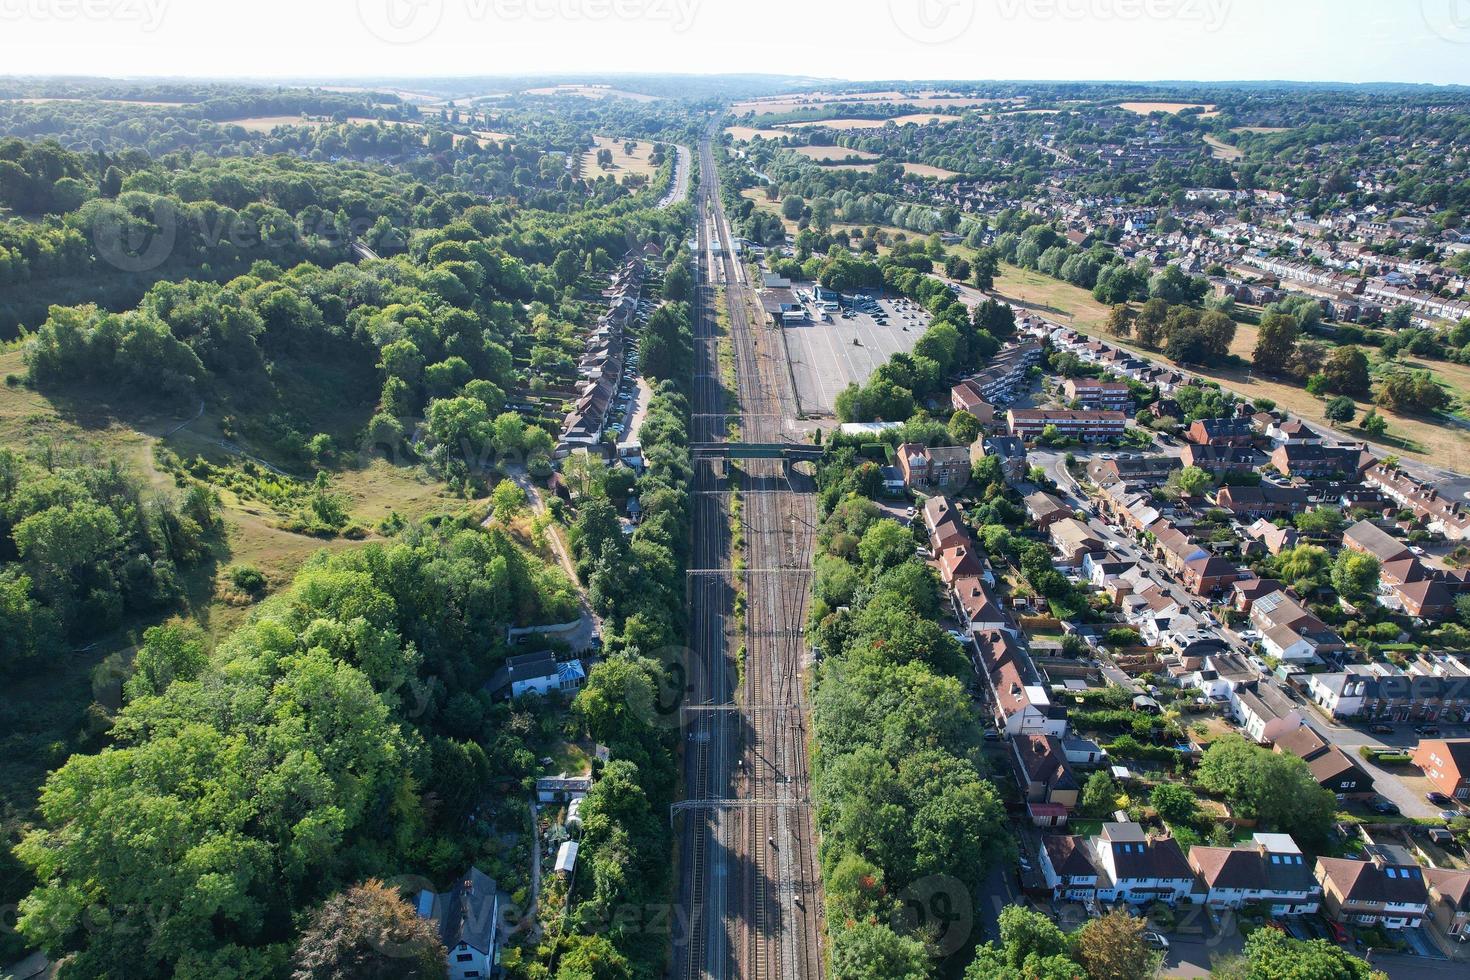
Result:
[[536, 673], [1068, 868], [1268, 869], [467, 917], [1264, 712], [1342, 694], [1137, 869]]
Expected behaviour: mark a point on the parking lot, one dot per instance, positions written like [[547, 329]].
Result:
[[826, 357]]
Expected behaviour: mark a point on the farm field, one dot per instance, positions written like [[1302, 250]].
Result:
[[1144, 108], [623, 163], [1221, 150], [745, 134], [911, 118], [592, 92], [829, 153], [926, 170], [1077, 308]]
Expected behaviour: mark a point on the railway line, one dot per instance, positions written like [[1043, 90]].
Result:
[[750, 892]]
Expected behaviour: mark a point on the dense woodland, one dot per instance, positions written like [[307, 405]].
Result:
[[229, 814]]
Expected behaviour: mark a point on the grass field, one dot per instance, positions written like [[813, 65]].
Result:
[[1221, 150], [623, 163], [777, 105], [745, 134], [1261, 129], [828, 153], [914, 118], [1144, 108], [925, 170], [1440, 444], [592, 92]]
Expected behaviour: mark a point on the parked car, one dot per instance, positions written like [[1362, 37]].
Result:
[[1448, 815], [1154, 940], [1439, 799], [1381, 729], [1427, 731], [1339, 934], [1384, 806]]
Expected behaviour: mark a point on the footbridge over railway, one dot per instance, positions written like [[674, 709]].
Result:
[[790, 452]]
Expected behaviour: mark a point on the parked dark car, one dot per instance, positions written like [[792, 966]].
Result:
[[1427, 731], [1439, 799], [1386, 807], [1381, 729]]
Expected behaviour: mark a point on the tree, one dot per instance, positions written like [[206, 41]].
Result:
[[871, 949], [679, 283], [1374, 424], [1411, 391], [1120, 320], [1278, 790], [1100, 794], [1112, 948], [885, 544], [1191, 481], [1024, 933], [368, 931], [1355, 575], [591, 958], [986, 268], [1149, 324], [1462, 608], [1271, 955], [506, 500], [1174, 802], [1275, 339], [964, 427], [1340, 409], [1346, 371]]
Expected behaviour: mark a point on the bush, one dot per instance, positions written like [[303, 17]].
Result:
[[247, 578]]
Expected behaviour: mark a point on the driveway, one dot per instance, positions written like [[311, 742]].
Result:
[[1410, 799], [1196, 939]]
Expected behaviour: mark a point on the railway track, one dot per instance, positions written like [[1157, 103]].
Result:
[[750, 891]]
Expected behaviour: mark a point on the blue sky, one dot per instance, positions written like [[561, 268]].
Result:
[[1342, 40]]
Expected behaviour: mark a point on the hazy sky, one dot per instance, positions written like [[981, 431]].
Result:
[[1339, 40]]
